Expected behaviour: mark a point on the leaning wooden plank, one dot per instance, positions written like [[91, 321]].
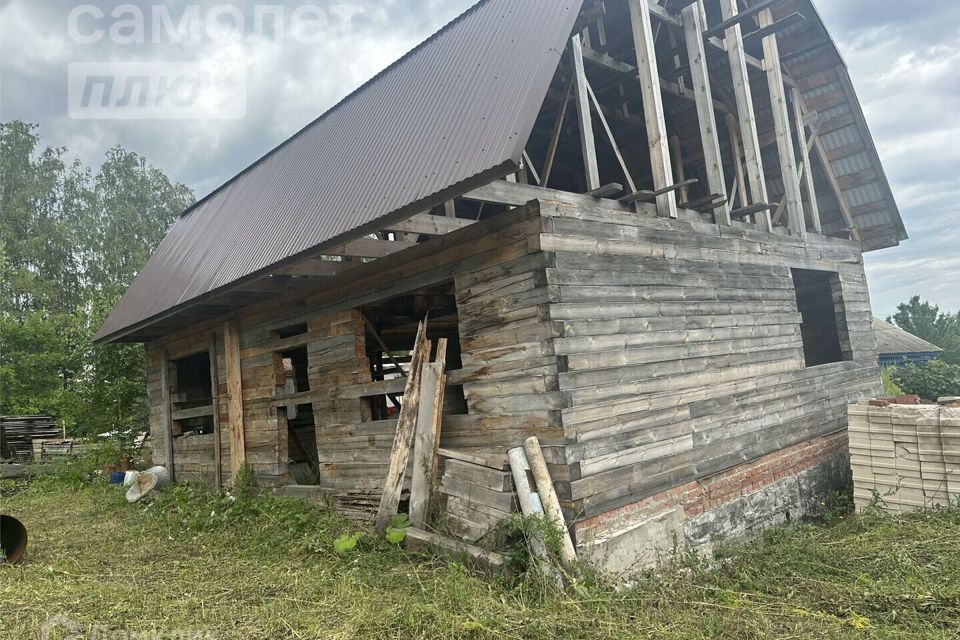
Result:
[[487, 561], [427, 436], [231, 347], [531, 507], [548, 495], [400, 454]]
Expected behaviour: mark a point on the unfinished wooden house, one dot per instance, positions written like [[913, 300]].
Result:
[[638, 225]]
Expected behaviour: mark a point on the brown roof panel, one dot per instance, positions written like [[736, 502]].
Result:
[[456, 110]]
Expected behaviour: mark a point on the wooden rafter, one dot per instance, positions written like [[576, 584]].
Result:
[[693, 32], [587, 144], [653, 112]]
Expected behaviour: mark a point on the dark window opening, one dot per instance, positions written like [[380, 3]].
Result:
[[191, 389], [294, 376], [824, 330], [292, 331], [303, 459], [391, 331]]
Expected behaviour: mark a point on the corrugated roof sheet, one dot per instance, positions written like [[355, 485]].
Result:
[[892, 340], [458, 107]]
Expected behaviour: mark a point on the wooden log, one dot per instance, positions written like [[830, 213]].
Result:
[[427, 436], [548, 496], [400, 453], [531, 507], [231, 346], [489, 561]]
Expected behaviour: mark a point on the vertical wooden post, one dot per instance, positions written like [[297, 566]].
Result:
[[703, 94], [582, 96], [231, 351], [746, 114], [215, 393], [781, 123], [814, 207], [166, 416], [653, 113]]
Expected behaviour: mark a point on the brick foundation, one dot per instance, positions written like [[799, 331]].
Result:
[[760, 493]]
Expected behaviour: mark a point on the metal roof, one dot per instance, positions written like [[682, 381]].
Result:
[[892, 340], [453, 113]]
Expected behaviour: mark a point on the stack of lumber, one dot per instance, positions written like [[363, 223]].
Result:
[[479, 494], [907, 454], [19, 432]]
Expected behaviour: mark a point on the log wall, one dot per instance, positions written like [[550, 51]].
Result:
[[681, 351]]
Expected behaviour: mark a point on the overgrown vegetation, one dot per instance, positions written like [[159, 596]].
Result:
[[261, 567], [927, 321], [931, 380], [71, 240]]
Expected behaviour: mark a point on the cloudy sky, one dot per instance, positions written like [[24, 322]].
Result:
[[904, 58]]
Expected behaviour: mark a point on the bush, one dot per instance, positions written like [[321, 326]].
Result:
[[932, 380]]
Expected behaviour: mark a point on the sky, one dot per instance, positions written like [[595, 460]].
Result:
[[904, 58]]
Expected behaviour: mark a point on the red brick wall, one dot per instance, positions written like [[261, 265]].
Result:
[[715, 491]]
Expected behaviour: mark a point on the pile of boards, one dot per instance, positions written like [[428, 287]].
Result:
[[17, 434], [907, 455]]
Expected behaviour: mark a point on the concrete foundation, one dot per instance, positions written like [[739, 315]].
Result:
[[736, 505]]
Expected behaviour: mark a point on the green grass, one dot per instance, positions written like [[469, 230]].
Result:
[[265, 568]]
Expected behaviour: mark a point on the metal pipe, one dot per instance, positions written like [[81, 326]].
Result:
[[13, 540]]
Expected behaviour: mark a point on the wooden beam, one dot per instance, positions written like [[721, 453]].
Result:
[[781, 123], [188, 414], [779, 25], [400, 453], [693, 32], [215, 394], [738, 19], [813, 206], [166, 412], [429, 225], [835, 186], [587, 143], [316, 268], [745, 114], [231, 347], [528, 163], [606, 190], [613, 141], [427, 436], [370, 248], [653, 106], [649, 196], [555, 134]]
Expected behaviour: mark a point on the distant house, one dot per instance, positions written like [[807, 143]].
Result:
[[896, 345]]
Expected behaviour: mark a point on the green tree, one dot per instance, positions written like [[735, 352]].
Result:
[[926, 321], [71, 241]]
